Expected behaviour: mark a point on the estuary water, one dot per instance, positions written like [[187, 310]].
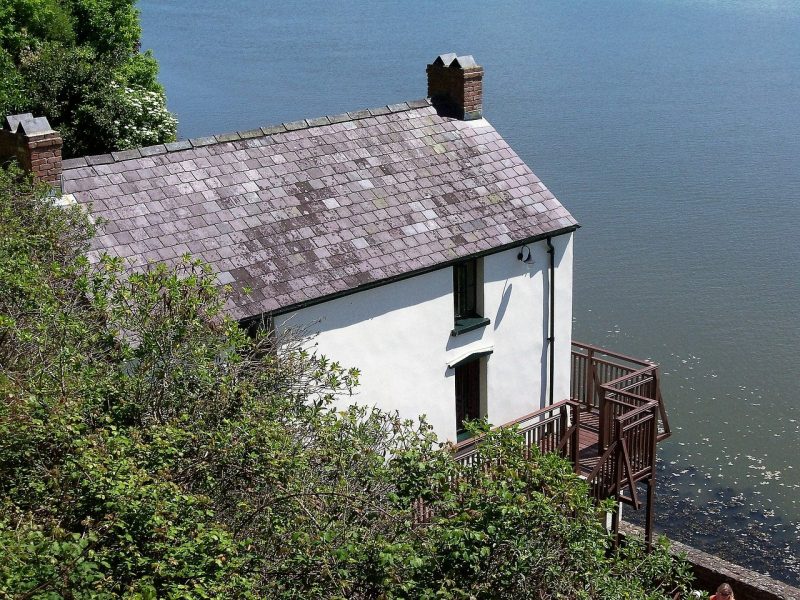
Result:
[[669, 128]]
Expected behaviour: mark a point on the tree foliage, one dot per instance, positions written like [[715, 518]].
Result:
[[150, 449], [77, 62]]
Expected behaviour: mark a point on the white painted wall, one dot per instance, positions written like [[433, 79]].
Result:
[[398, 335], [515, 299]]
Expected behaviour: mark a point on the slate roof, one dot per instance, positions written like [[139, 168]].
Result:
[[311, 209]]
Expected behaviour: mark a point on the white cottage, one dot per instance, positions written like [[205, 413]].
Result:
[[417, 244]]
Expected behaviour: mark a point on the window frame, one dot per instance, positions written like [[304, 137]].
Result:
[[465, 290], [470, 400], [468, 296], [467, 397]]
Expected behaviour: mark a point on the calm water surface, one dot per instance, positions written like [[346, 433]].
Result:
[[669, 128]]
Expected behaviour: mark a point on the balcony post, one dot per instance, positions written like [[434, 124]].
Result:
[[590, 377], [604, 422], [648, 520], [575, 443]]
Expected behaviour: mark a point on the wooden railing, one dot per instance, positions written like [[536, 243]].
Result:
[[613, 384], [554, 428], [593, 366], [625, 393], [629, 458]]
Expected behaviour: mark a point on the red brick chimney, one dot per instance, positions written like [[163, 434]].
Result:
[[34, 144], [455, 86]]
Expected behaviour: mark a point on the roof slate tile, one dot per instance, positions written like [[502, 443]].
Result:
[[180, 145], [101, 159], [306, 209], [74, 163]]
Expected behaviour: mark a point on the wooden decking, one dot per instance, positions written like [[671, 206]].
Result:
[[588, 455], [608, 429]]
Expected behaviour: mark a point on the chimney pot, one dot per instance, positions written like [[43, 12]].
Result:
[[13, 121], [444, 60], [464, 62], [455, 86], [34, 126], [35, 146]]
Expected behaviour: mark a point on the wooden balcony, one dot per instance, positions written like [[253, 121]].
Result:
[[609, 428]]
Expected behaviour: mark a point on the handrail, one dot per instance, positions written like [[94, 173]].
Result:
[[558, 422], [631, 421], [619, 402], [637, 361], [618, 452], [593, 367], [535, 414], [636, 397], [617, 398], [613, 387], [635, 412], [631, 375], [552, 431]]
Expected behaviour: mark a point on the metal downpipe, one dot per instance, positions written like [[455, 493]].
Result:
[[551, 309]]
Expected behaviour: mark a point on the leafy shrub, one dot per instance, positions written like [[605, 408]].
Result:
[[149, 448], [78, 63]]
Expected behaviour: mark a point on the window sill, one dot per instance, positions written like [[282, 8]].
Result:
[[462, 435], [471, 324]]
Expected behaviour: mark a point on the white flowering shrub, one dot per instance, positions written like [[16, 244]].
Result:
[[143, 118], [78, 63]]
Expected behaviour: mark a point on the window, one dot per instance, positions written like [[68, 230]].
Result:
[[468, 297], [262, 328], [468, 398], [465, 290], [470, 393]]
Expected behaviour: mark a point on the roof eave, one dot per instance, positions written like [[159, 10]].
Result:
[[400, 277]]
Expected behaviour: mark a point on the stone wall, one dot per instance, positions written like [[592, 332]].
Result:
[[710, 571]]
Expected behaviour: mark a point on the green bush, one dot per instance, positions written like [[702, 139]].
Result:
[[78, 63], [150, 449]]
